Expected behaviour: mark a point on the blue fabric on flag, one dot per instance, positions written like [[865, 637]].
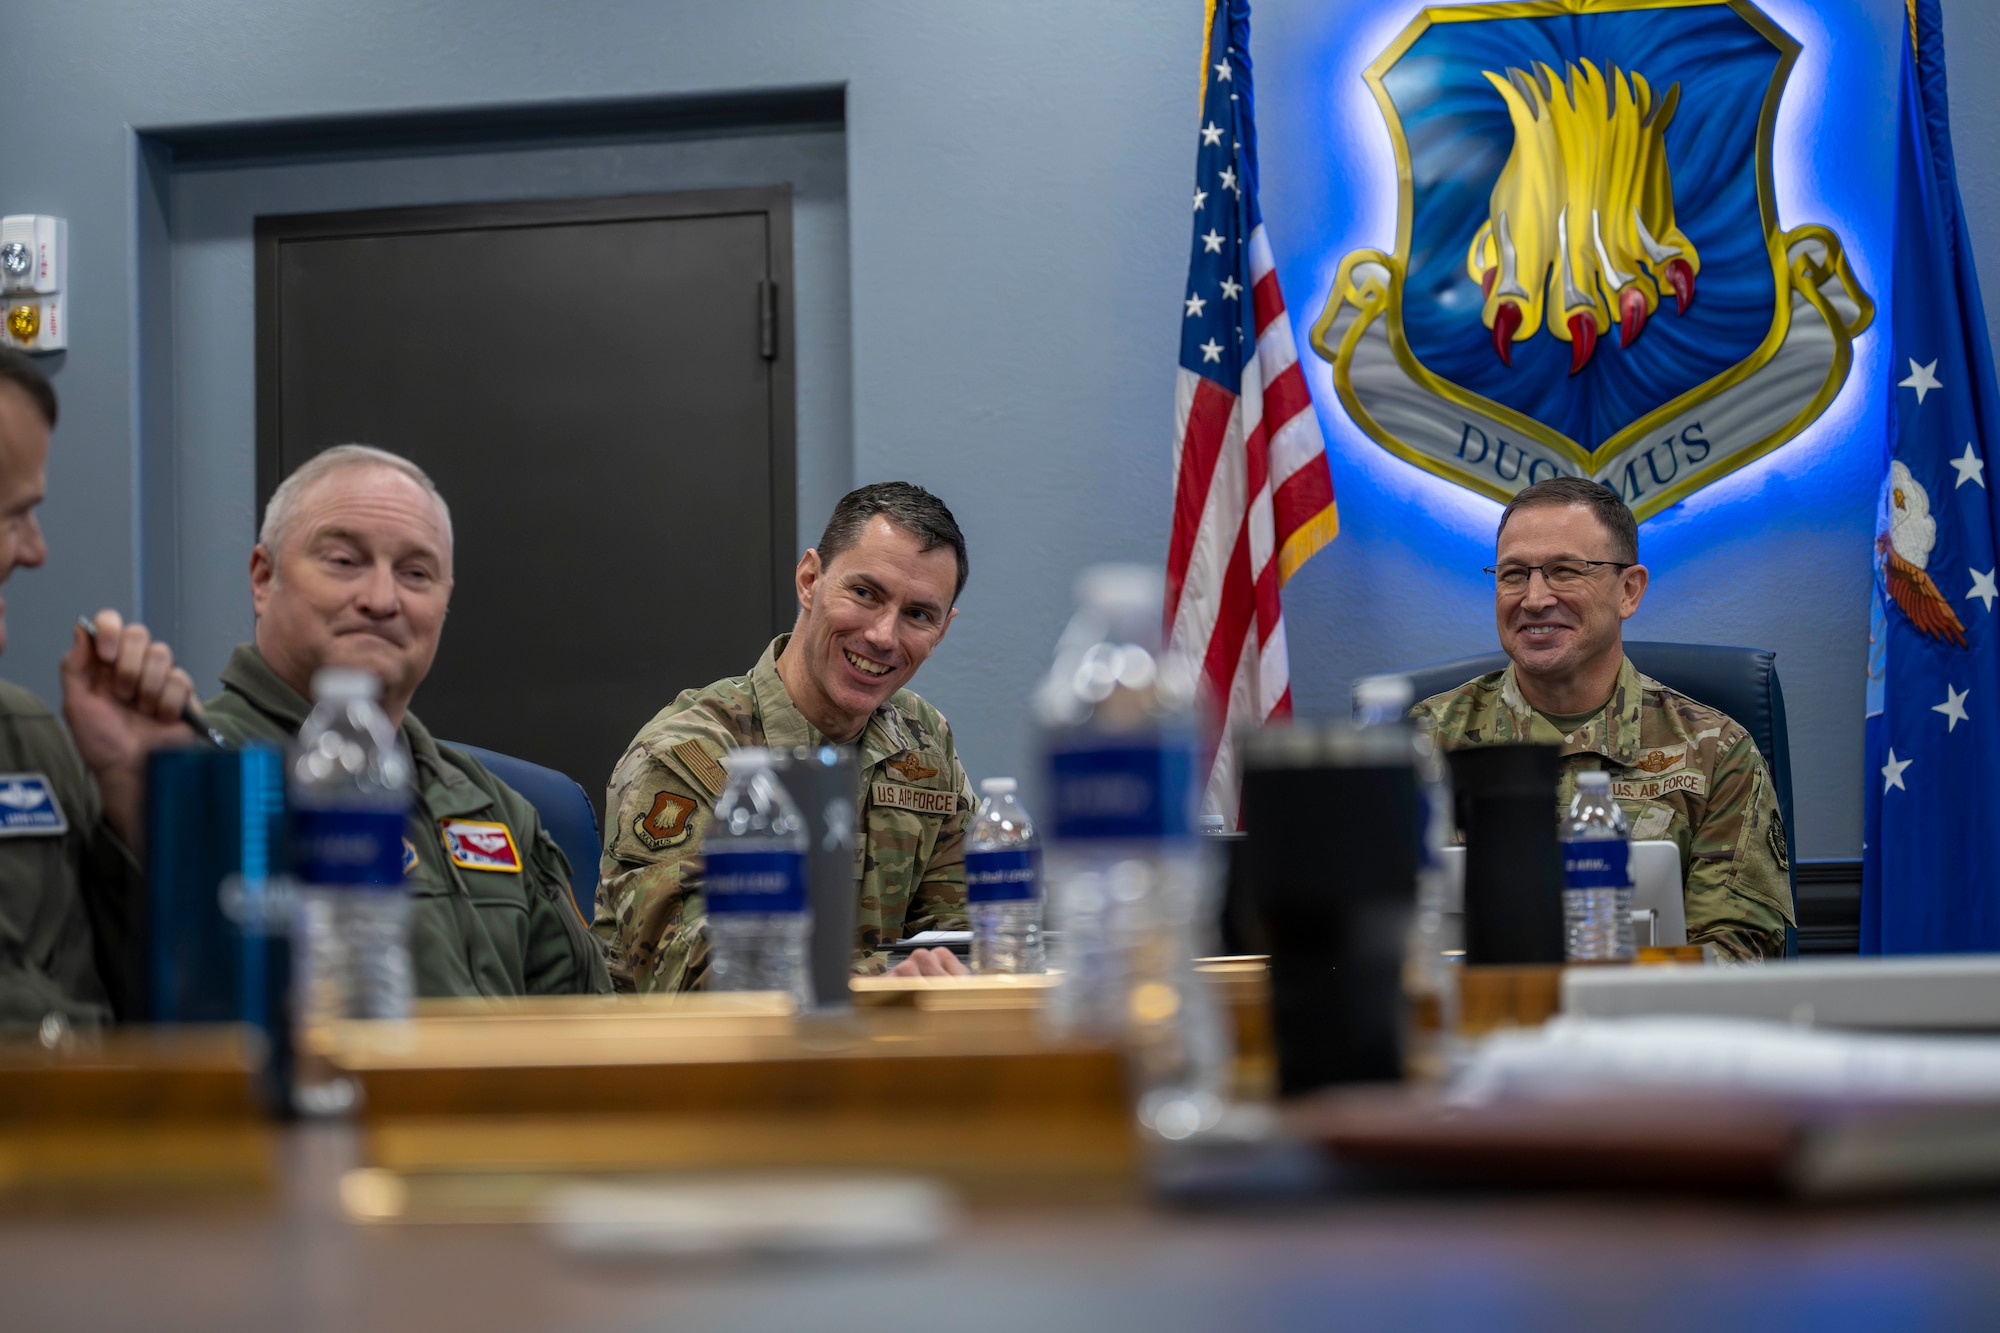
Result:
[[1932, 813], [1225, 210]]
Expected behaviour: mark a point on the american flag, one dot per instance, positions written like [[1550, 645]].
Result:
[[1253, 498]]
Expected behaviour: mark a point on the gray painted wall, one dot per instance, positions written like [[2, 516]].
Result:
[[1016, 184], [212, 224], [1014, 230]]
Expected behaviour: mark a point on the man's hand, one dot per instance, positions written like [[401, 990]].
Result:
[[122, 698], [930, 963]]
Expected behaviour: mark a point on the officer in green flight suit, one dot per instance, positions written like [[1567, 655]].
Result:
[[72, 810], [353, 569]]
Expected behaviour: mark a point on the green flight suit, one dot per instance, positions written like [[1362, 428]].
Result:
[[71, 894], [1680, 770], [474, 930], [909, 862]]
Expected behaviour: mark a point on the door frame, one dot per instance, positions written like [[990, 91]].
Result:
[[774, 202]]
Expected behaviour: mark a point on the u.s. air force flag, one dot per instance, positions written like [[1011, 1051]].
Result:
[[1932, 832]]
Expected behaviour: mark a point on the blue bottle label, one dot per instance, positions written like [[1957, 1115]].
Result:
[[1138, 791], [352, 848], [755, 881], [1003, 877], [1599, 863]]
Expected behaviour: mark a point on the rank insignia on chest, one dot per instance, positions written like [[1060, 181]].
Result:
[[479, 845], [28, 807], [409, 857], [912, 768]]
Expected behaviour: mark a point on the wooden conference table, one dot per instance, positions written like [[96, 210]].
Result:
[[295, 1263], [290, 1258]]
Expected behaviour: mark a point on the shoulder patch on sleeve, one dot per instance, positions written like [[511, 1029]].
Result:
[[701, 765], [1776, 838], [28, 807], [666, 824]]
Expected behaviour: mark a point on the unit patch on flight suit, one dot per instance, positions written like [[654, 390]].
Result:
[[479, 845], [666, 824], [28, 807]]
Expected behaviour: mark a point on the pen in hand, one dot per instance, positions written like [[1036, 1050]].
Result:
[[189, 713]]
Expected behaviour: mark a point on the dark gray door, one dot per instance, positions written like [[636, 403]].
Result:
[[602, 391]]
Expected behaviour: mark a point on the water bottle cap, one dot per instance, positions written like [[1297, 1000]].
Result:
[[1595, 777], [746, 759], [1211, 823], [1384, 692], [997, 786], [1120, 587], [344, 684]]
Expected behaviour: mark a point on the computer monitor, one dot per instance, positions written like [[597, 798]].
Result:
[[1656, 895]]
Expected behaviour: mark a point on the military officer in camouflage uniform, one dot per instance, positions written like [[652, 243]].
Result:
[[1567, 577], [875, 598], [353, 569], [72, 812]]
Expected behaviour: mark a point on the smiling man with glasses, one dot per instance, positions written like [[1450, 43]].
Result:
[[1566, 578]]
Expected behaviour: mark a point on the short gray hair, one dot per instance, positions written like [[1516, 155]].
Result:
[[282, 512]]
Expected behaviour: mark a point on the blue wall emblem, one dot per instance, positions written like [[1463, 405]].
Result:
[[1589, 278]]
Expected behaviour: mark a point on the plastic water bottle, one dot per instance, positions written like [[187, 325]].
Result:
[[754, 883], [349, 784], [1430, 968], [1003, 883], [1597, 875], [1132, 888]]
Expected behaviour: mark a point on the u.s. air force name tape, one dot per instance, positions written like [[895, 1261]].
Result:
[[923, 800], [1652, 789]]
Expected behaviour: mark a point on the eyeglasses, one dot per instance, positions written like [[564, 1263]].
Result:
[[1556, 573]]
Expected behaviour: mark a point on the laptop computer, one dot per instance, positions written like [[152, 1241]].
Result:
[[1659, 914]]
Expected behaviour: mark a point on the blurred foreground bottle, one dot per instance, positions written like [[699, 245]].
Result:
[[1430, 970], [1003, 883], [1597, 875], [349, 785], [1132, 889], [754, 883]]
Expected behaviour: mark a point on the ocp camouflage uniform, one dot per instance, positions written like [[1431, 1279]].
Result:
[[71, 894], [1679, 770], [481, 924], [909, 860]]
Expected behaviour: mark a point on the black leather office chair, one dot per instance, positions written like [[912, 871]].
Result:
[[566, 813], [1742, 682]]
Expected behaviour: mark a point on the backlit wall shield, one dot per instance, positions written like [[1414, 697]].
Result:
[[1590, 274]]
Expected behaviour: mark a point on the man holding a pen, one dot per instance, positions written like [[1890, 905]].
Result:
[[72, 805]]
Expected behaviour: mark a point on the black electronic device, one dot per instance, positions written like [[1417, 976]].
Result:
[[1330, 859], [1505, 800]]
